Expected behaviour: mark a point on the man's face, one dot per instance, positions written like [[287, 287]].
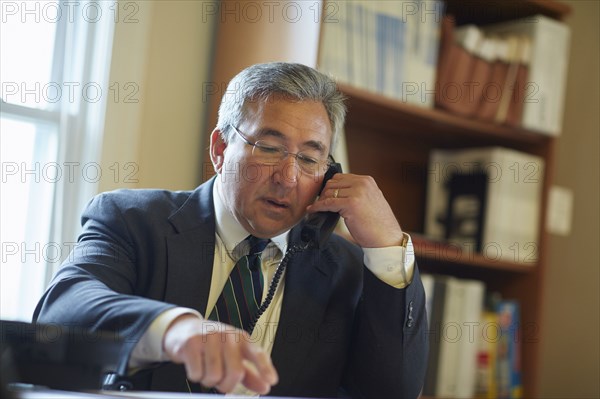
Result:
[[270, 199]]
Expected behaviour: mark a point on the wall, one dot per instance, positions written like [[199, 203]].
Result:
[[153, 136], [570, 331], [280, 39]]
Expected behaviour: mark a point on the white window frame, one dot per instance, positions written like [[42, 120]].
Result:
[[82, 55]]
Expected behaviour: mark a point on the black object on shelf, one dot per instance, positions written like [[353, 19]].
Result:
[[466, 208]]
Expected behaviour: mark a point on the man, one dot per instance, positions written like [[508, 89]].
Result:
[[154, 265]]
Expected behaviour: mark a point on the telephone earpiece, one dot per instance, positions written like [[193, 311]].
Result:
[[319, 226]]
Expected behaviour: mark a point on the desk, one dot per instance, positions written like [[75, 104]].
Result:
[[56, 394]]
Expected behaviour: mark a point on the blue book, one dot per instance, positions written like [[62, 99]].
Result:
[[508, 363]]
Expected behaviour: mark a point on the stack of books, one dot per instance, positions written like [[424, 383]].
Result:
[[386, 47], [487, 201], [474, 350], [512, 73]]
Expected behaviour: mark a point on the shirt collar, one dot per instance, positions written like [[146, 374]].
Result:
[[229, 230]]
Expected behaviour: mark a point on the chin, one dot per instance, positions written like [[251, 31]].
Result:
[[271, 231]]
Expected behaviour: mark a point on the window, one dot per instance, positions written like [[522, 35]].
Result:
[[54, 63]]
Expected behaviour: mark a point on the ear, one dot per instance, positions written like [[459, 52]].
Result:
[[217, 149]]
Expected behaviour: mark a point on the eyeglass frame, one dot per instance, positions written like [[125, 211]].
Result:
[[330, 161]]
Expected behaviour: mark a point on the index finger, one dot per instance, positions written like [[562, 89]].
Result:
[[262, 362]]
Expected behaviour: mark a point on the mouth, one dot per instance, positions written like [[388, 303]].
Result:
[[278, 204]]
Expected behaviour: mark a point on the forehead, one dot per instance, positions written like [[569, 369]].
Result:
[[295, 120]]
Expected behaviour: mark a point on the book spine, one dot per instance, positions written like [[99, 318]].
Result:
[[511, 78], [491, 96], [446, 55], [482, 67], [515, 108], [486, 386], [435, 334], [450, 340], [471, 315], [434, 22], [509, 360], [460, 63]]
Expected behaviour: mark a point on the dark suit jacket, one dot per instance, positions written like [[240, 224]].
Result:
[[142, 252]]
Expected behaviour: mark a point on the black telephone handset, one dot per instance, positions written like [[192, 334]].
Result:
[[319, 226]]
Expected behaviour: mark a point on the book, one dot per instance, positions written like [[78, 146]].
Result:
[[515, 108], [438, 299], [512, 57], [450, 339], [511, 218], [334, 48], [544, 92], [487, 352], [483, 56], [447, 53], [426, 50], [392, 52], [357, 36], [459, 64], [472, 308], [508, 363], [492, 94]]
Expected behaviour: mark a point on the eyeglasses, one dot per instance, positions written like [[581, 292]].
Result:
[[270, 153]]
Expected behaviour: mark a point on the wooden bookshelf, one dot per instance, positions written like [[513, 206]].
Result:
[[389, 114], [451, 256], [392, 140]]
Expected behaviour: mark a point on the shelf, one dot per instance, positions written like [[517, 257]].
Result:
[[374, 111], [442, 252], [480, 12]]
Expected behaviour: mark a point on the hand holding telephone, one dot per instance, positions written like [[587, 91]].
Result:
[[319, 226]]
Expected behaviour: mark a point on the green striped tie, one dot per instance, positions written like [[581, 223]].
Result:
[[242, 294]]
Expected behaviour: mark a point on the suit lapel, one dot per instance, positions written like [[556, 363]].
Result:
[[306, 294], [191, 250]]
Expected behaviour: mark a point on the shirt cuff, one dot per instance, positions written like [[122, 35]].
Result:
[[393, 265], [149, 349]]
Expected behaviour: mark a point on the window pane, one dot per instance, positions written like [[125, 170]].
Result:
[[29, 175], [27, 36]]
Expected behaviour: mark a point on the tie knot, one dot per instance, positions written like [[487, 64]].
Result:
[[257, 245]]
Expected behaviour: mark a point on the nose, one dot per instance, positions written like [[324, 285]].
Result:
[[287, 171]]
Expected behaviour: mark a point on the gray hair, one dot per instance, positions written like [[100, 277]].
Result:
[[294, 81]]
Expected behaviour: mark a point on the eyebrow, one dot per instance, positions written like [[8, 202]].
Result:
[[317, 145]]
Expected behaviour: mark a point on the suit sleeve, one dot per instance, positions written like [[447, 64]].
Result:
[[99, 286], [388, 357]]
